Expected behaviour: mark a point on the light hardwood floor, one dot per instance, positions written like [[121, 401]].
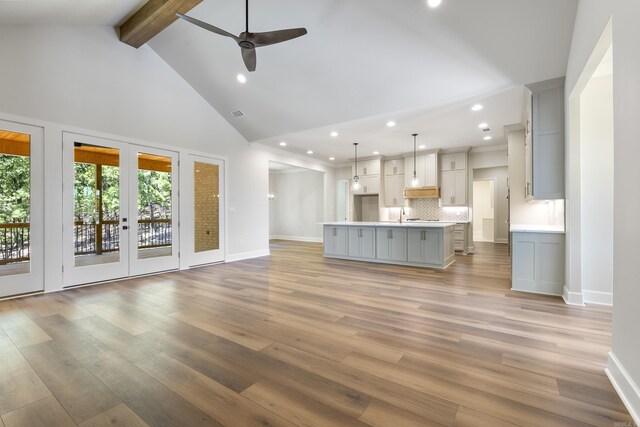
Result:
[[295, 339]]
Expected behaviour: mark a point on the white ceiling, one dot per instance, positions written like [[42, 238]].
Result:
[[68, 12], [364, 62]]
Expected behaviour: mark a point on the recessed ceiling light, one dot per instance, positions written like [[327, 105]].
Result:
[[487, 138], [283, 144], [477, 107], [375, 153], [309, 152], [434, 3], [483, 125], [422, 147], [332, 158], [334, 134], [241, 78], [391, 123]]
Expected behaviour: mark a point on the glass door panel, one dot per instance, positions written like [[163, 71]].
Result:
[[21, 219], [154, 194], [206, 243], [206, 206], [95, 205], [154, 206]]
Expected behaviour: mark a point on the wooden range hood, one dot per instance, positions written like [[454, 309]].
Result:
[[422, 193]]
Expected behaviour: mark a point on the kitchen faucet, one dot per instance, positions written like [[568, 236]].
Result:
[[401, 213]]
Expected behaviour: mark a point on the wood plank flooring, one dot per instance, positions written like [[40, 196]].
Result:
[[295, 339]]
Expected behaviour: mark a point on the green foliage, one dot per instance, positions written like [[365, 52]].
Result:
[[154, 194], [14, 188]]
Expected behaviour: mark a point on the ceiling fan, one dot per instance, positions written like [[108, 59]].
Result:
[[248, 41]]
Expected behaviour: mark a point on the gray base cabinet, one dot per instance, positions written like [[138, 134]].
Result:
[[424, 246], [538, 262], [362, 242], [391, 244], [403, 244], [336, 241]]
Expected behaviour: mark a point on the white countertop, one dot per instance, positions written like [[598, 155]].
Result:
[[415, 224], [531, 228]]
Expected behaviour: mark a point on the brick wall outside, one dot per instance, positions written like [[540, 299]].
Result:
[[206, 207]]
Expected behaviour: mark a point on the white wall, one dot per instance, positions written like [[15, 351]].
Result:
[[83, 79], [596, 164], [298, 208], [592, 17]]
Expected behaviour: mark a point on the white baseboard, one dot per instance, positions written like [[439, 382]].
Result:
[[596, 297], [470, 250], [297, 238], [627, 389], [247, 255], [502, 240], [572, 298]]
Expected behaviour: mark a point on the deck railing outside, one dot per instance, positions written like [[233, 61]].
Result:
[[14, 242], [152, 233]]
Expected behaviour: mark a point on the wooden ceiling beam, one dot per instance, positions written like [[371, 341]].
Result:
[[151, 19]]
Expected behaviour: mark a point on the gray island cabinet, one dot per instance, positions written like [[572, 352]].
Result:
[[418, 244]]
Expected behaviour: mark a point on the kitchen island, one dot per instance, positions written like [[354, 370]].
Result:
[[419, 244]]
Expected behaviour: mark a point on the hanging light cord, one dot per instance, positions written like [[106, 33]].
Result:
[[414, 154], [355, 144]]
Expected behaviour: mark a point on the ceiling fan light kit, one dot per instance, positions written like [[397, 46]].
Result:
[[247, 40]]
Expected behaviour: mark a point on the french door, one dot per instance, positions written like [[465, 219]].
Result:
[[206, 209], [21, 209], [120, 209]]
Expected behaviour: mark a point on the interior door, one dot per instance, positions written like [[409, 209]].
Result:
[[95, 209], [153, 198], [21, 209], [205, 192]]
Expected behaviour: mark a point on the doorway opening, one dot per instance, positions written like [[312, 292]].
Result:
[[484, 217], [342, 201], [590, 217]]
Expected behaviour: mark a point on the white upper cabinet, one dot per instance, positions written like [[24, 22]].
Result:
[[544, 151], [454, 161], [369, 167], [369, 174], [394, 190], [426, 169], [394, 167], [394, 183], [453, 179]]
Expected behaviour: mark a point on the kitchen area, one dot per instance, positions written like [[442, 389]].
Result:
[[418, 209], [396, 221]]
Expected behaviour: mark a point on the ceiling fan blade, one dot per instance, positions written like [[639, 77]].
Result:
[[273, 37], [208, 27], [249, 58]]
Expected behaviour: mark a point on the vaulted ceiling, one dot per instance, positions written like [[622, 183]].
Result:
[[363, 62]]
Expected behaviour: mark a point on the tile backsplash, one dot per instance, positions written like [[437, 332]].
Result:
[[430, 209]]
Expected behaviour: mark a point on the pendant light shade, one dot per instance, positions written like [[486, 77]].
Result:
[[355, 185], [415, 182]]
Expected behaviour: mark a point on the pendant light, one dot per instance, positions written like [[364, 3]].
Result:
[[415, 182], [355, 186]]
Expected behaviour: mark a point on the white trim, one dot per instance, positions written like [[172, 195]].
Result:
[[296, 238], [627, 389], [247, 255], [471, 250], [597, 297], [572, 298], [502, 241]]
